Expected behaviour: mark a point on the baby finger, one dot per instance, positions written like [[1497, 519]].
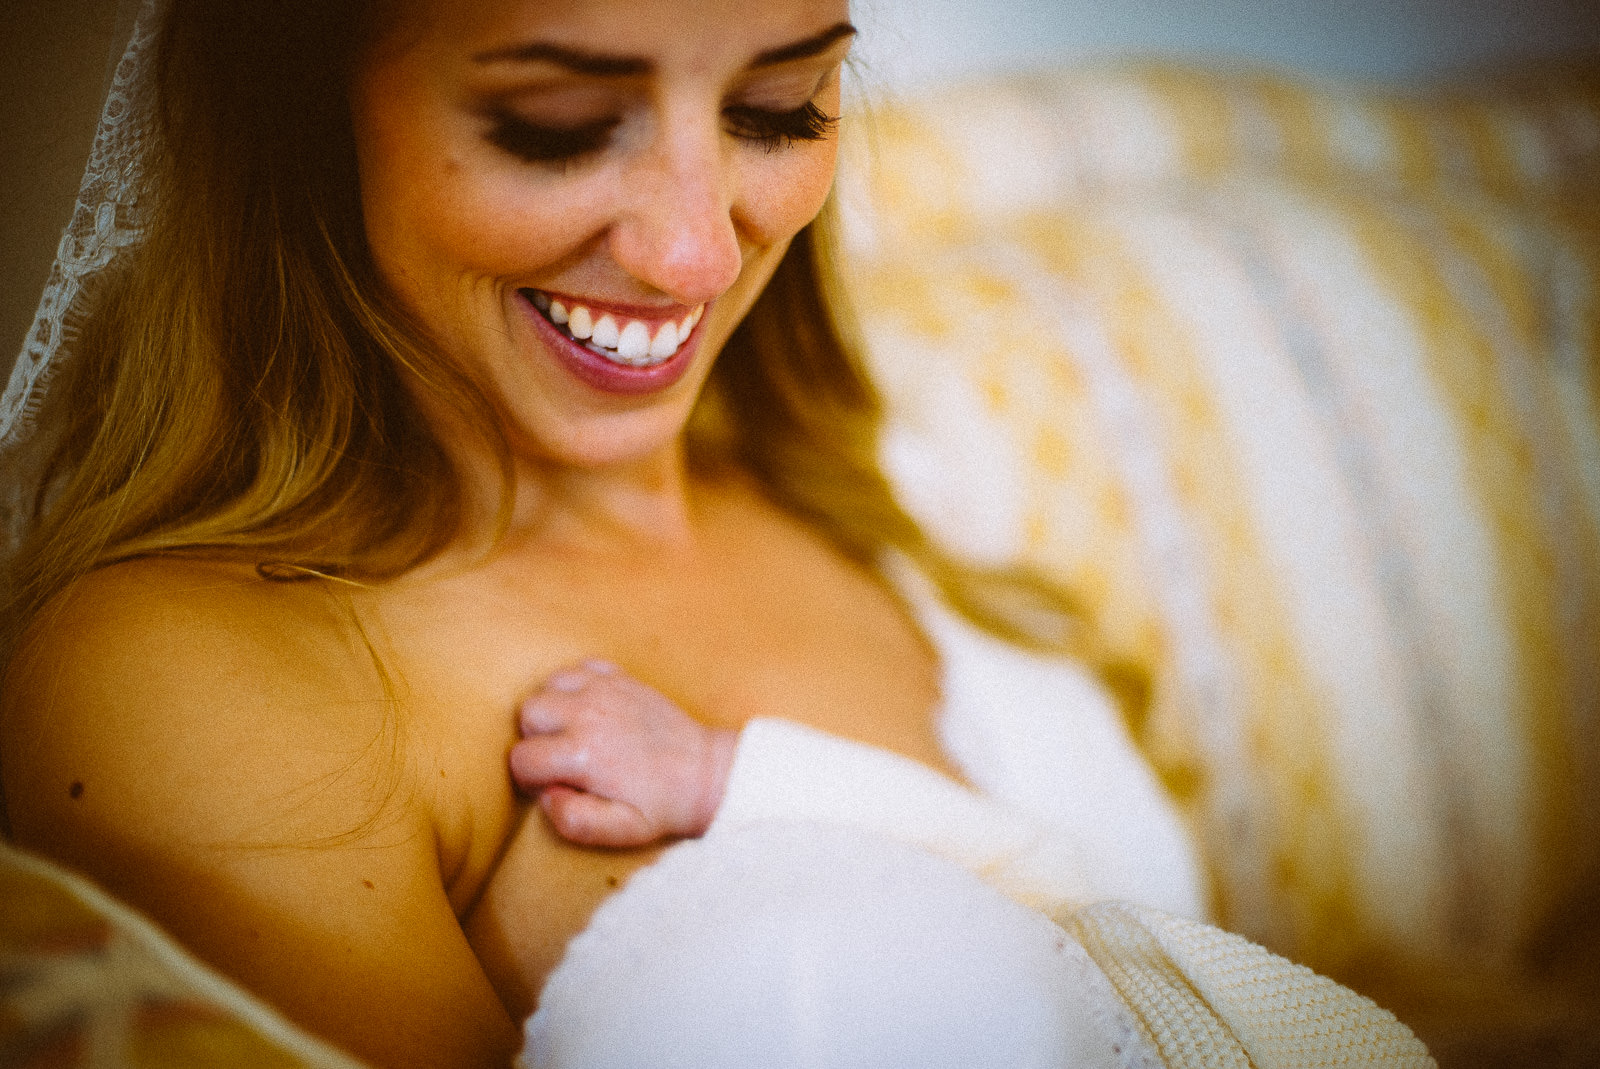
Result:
[[539, 716], [542, 760], [590, 820]]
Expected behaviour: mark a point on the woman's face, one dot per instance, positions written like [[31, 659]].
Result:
[[580, 199]]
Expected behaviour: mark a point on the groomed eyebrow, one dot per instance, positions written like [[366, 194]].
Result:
[[811, 46], [601, 65]]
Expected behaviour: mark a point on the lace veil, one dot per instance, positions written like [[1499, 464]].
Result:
[[107, 219]]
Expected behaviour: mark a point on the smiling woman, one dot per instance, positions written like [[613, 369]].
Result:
[[336, 355], [463, 362]]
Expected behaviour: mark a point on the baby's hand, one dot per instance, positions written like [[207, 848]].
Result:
[[614, 763]]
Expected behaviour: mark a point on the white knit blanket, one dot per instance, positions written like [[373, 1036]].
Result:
[[813, 945], [851, 907]]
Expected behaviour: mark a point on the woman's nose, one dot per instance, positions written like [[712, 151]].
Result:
[[676, 231]]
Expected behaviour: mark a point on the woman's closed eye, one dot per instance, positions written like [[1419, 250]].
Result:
[[535, 142], [773, 130]]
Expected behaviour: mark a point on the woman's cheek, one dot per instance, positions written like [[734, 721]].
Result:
[[498, 226], [784, 190]]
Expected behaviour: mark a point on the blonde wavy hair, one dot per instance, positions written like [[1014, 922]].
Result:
[[238, 385]]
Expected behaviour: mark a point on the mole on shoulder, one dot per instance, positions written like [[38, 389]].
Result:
[[76, 790]]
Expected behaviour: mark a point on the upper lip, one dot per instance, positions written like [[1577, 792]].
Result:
[[659, 313]]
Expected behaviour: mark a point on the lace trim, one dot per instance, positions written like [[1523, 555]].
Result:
[[107, 218]]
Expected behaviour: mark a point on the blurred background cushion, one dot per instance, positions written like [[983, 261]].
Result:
[[87, 982], [1298, 385]]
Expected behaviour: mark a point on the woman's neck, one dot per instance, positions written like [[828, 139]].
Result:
[[648, 503]]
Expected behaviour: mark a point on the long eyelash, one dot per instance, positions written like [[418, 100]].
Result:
[[773, 130], [533, 143]]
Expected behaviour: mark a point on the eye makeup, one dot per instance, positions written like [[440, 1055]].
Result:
[[534, 142], [773, 130]]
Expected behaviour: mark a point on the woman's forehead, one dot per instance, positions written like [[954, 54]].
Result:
[[657, 31]]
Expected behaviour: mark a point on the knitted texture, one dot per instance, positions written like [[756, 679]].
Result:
[[1176, 1018], [1212, 999]]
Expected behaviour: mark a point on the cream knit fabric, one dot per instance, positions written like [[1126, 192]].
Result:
[[1209, 999]]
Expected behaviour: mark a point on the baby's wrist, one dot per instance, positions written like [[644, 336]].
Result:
[[721, 746]]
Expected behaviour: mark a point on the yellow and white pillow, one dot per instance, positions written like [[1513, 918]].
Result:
[[1299, 387]]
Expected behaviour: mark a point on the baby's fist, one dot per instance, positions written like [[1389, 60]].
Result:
[[615, 763]]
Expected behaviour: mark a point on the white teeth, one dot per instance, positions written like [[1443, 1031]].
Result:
[[665, 342], [688, 323], [630, 344], [579, 323], [634, 342]]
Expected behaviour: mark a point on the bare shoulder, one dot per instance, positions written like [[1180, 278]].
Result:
[[216, 750], [167, 697]]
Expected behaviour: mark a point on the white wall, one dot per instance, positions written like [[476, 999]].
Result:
[[906, 42]]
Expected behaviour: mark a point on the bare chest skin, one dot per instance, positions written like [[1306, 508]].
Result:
[[761, 619]]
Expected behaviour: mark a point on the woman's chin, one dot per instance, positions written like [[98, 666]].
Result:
[[616, 441]]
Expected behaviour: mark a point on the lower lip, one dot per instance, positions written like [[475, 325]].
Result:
[[606, 375]]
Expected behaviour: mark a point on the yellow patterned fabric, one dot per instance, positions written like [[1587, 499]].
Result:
[[1298, 387], [84, 981]]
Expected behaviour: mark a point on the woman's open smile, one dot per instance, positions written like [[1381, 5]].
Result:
[[640, 339], [620, 350]]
